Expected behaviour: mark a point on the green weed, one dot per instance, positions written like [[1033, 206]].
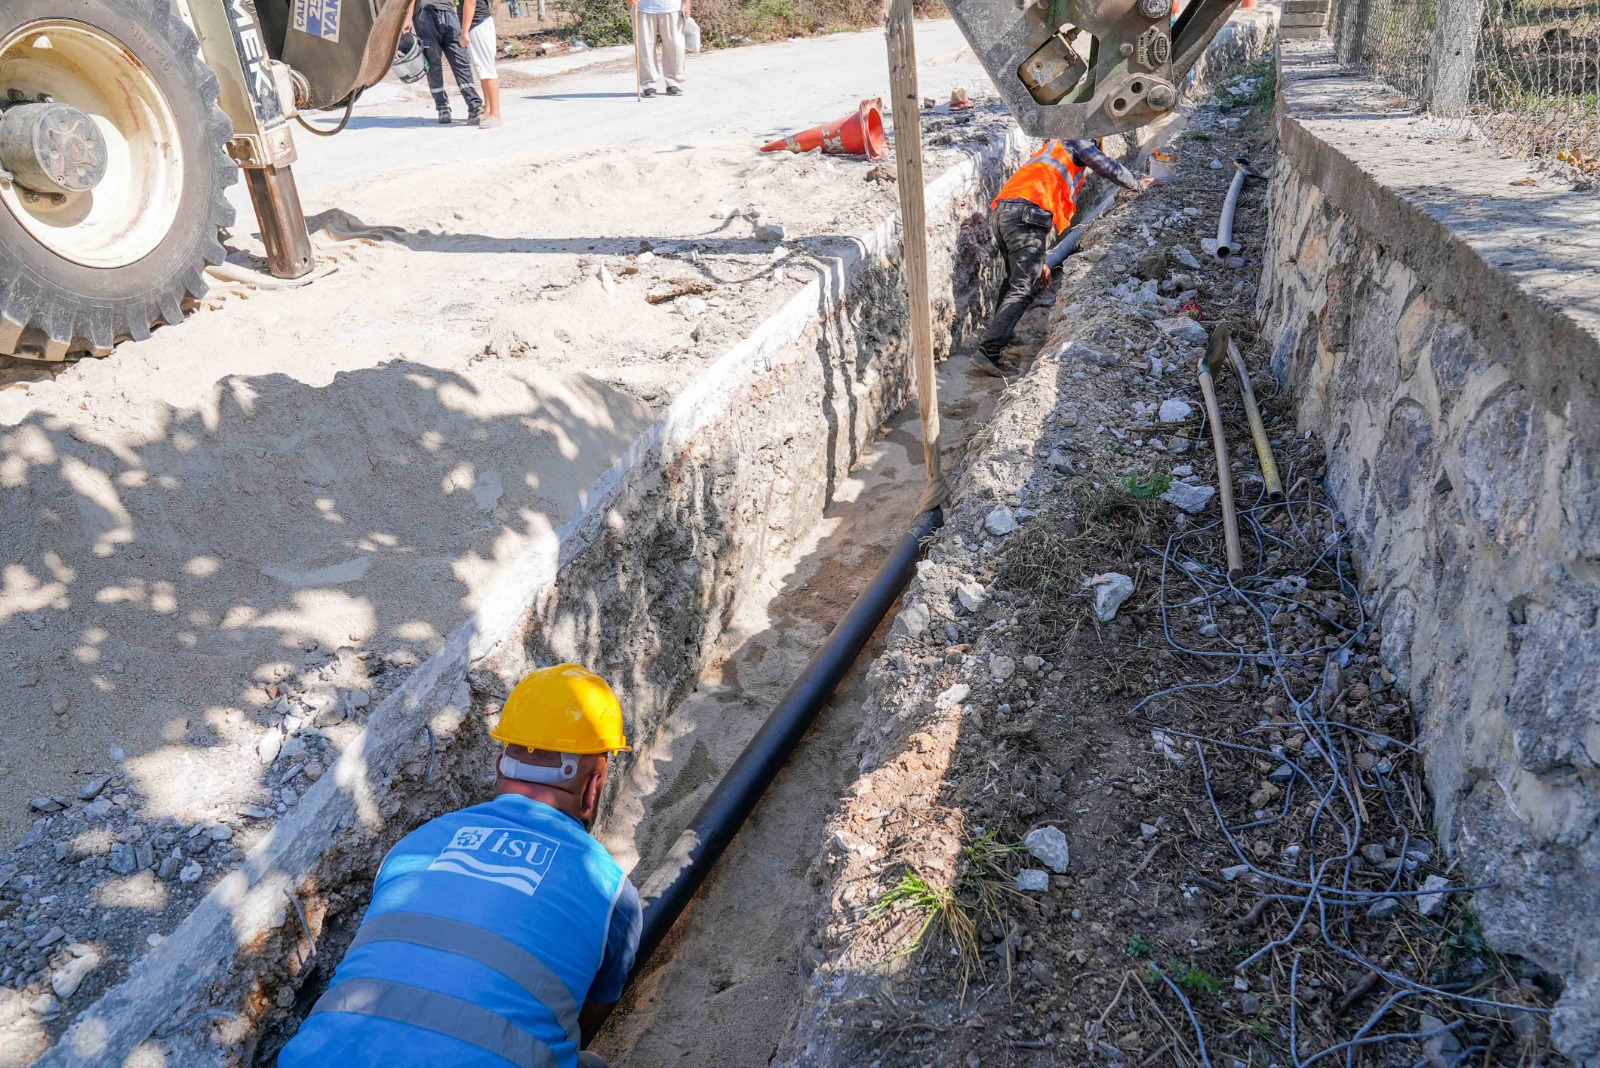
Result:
[[1139, 946], [938, 906], [1196, 980], [1145, 487]]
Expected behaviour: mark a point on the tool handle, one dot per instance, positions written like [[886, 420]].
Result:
[[1219, 441]]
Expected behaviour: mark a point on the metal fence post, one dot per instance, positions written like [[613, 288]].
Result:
[[1454, 58], [1350, 29]]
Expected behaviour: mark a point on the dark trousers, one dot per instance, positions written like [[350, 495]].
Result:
[[1022, 230], [439, 32]]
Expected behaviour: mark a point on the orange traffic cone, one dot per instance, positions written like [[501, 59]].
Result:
[[860, 134]]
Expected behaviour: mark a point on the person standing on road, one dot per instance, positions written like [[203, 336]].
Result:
[[1040, 197], [478, 18], [663, 18], [500, 934], [437, 25]]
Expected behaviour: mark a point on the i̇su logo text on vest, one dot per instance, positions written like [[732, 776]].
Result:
[[516, 859]]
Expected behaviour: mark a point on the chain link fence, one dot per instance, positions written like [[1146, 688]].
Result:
[[1525, 74]]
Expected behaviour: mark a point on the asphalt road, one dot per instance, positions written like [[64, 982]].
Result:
[[758, 92]]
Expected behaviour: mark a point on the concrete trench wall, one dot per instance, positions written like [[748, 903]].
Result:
[[639, 584], [1438, 327]]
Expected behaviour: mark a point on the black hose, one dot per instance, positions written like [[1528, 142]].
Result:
[[692, 856], [349, 110]]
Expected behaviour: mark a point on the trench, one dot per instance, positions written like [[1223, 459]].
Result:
[[724, 984]]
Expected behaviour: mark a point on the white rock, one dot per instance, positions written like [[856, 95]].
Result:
[[1175, 410], [1148, 830], [1110, 591], [191, 872], [607, 283], [692, 307], [971, 596], [645, 258], [66, 979], [1033, 880], [1184, 256], [1002, 668], [770, 231], [954, 695], [1184, 329], [1049, 846], [270, 745], [1234, 872], [1000, 521], [914, 619], [1189, 497], [1428, 904], [1032, 663], [722, 212]]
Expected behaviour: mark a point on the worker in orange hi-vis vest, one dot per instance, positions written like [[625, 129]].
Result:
[[1042, 196]]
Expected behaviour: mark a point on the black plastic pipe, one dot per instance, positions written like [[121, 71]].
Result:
[[1065, 247], [703, 841]]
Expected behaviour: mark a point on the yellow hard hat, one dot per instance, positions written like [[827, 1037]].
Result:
[[562, 709]]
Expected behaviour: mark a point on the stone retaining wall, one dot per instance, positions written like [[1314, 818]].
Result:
[[1435, 312]]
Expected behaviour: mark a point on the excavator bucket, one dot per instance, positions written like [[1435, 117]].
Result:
[[336, 47]]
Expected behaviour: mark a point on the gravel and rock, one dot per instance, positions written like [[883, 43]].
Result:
[[1013, 960]]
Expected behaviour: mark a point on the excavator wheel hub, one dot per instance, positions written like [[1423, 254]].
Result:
[[52, 148], [97, 165]]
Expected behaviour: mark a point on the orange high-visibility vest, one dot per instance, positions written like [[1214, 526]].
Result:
[[1051, 179]]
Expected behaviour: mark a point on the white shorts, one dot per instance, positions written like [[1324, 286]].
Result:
[[480, 42]]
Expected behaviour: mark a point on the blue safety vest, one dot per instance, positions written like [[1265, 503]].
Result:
[[486, 932]]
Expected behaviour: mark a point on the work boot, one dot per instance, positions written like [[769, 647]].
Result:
[[649, 92], [988, 365], [444, 117], [474, 116], [673, 90]]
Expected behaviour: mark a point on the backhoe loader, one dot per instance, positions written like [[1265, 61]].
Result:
[[123, 123]]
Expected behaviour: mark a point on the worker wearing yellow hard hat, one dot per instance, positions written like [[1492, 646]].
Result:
[[502, 932]]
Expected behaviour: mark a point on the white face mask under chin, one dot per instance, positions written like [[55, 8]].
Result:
[[513, 768]]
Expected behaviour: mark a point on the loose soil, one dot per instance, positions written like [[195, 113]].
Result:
[[235, 539]]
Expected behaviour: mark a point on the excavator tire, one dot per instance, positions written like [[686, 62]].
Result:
[[81, 272]]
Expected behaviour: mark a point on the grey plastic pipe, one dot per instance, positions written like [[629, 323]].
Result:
[[1225, 246], [1225, 224]]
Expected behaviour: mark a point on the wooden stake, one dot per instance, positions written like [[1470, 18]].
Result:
[[904, 102]]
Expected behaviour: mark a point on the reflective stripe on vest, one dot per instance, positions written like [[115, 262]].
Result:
[[1045, 155], [437, 1012], [485, 947]]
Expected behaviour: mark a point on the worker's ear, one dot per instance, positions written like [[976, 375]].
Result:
[[596, 783]]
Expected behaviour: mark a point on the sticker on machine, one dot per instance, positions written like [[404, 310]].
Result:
[[516, 859], [319, 18]]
